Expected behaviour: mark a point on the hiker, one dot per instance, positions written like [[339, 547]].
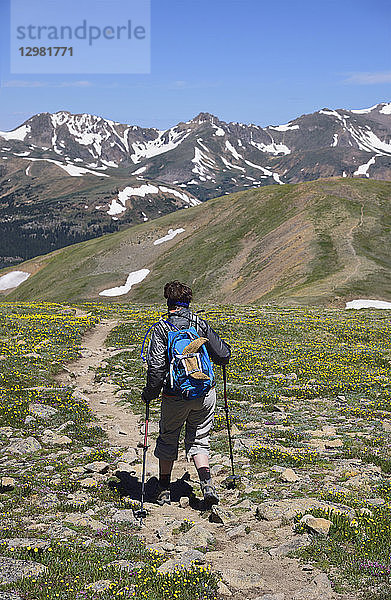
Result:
[[197, 414]]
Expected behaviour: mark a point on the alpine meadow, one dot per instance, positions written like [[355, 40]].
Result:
[[195, 300]]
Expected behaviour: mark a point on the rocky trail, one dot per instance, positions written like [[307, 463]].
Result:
[[248, 546]]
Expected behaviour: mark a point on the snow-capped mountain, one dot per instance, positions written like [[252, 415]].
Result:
[[210, 157], [66, 177]]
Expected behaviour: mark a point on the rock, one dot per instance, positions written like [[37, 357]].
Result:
[[386, 425], [88, 482], [279, 596], [239, 530], [317, 444], [330, 444], [197, 537], [319, 589], [318, 525], [12, 569], [127, 565], [277, 469], [98, 466], [64, 426], [7, 484], [43, 411], [184, 502], [223, 590], [51, 437], [295, 543], [242, 580], [183, 561], [220, 515], [124, 515], [216, 470], [287, 508], [78, 498], [234, 429], [26, 543], [9, 596], [84, 520], [289, 475], [100, 586], [130, 456], [24, 446]]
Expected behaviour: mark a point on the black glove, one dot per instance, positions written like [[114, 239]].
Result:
[[144, 398]]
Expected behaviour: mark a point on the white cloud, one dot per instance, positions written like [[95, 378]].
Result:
[[369, 78]]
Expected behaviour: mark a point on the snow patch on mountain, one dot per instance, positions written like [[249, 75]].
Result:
[[386, 110], [116, 208], [170, 235], [335, 140], [13, 279], [286, 127], [219, 130], [273, 148], [233, 151], [361, 303], [181, 195], [72, 170], [166, 140], [133, 278], [231, 166], [363, 169], [19, 133], [363, 111]]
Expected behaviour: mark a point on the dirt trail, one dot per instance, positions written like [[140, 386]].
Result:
[[249, 570]]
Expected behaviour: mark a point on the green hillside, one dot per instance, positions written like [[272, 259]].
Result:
[[316, 242]]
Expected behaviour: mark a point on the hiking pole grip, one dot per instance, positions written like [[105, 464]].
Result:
[[231, 455]]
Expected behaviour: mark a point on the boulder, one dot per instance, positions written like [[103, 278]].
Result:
[[242, 580], [12, 569], [318, 525], [183, 561], [319, 589], [184, 502], [297, 542], [220, 515], [331, 444], [197, 537], [100, 586], [7, 484], [42, 411], [287, 508], [124, 515], [289, 475], [98, 466], [51, 437], [24, 446]]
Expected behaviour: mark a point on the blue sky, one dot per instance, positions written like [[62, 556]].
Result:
[[251, 61]]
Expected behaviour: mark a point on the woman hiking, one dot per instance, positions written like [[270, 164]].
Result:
[[196, 414]]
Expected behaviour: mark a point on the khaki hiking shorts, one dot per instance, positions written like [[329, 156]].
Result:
[[197, 416]]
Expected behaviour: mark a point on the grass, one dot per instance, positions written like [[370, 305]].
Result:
[[48, 490], [235, 249], [294, 371]]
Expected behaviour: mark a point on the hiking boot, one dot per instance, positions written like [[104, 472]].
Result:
[[210, 494], [163, 496]]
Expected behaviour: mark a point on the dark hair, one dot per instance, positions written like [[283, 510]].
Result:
[[175, 291]]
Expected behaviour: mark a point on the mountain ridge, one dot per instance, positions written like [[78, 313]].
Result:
[[65, 177], [273, 244]]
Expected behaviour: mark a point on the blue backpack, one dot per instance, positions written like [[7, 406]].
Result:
[[191, 370]]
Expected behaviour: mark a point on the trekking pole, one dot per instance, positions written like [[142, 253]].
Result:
[[142, 513], [231, 480]]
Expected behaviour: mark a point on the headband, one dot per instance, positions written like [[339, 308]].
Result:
[[171, 303]]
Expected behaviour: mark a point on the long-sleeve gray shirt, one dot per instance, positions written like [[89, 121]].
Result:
[[218, 350]]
